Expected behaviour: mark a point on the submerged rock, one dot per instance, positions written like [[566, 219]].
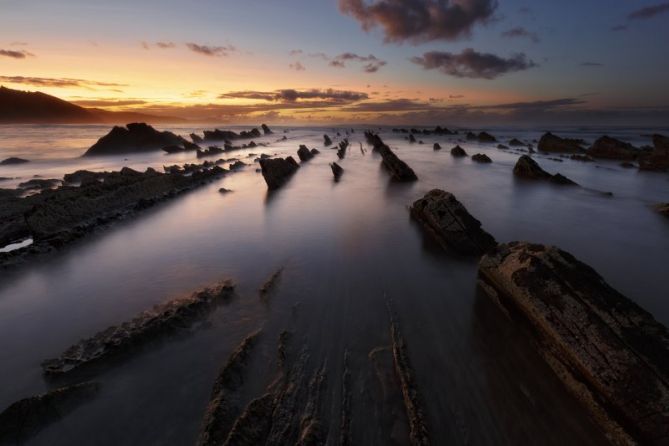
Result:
[[443, 216], [436, 146], [398, 169], [211, 151], [197, 139], [412, 139], [458, 152], [659, 158], [304, 153], [13, 161], [527, 168], [337, 171], [481, 158], [610, 353], [611, 148], [229, 135], [553, 143], [133, 138], [172, 316], [276, 171], [25, 418], [327, 142], [486, 137], [516, 143], [266, 130], [583, 158], [502, 147], [341, 152], [662, 208], [270, 284]]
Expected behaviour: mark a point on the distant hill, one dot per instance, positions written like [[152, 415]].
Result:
[[34, 107]]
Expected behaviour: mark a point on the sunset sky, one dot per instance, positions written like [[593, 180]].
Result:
[[348, 60]]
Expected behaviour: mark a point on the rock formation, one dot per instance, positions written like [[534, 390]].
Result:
[[436, 146], [172, 316], [443, 216], [337, 171], [458, 152], [516, 143], [555, 144], [277, 171], [611, 148], [12, 161], [398, 169], [659, 158], [610, 353], [662, 208], [304, 153], [266, 130], [527, 168], [133, 138], [197, 139], [341, 152], [481, 158], [486, 137], [229, 135], [327, 142]]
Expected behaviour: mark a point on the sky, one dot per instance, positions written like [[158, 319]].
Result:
[[314, 61]]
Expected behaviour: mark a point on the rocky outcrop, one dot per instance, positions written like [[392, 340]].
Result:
[[172, 316], [40, 183], [211, 151], [662, 208], [611, 148], [337, 171], [133, 138], [398, 169], [448, 221], [412, 139], [583, 158], [486, 137], [341, 152], [277, 171], [659, 158], [229, 135], [197, 139], [610, 353], [436, 146], [527, 168], [327, 142], [270, 284], [481, 158], [266, 130], [516, 143], [304, 153], [555, 144], [25, 418], [54, 218], [13, 161], [458, 152]]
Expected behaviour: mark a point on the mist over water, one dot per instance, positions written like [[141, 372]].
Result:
[[347, 249]]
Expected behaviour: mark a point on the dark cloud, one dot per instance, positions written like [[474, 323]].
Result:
[[164, 45], [295, 52], [297, 66], [212, 51], [420, 20], [372, 64], [57, 82], [532, 105], [391, 105], [519, 31], [649, 12], [472, 64], [102, 102], [619, 28], [592, 64], [291, 95], [456, 96], [16, 54]]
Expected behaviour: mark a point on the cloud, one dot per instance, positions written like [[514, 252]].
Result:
[[58, 82], [211, 51], [391, 105], [297, 66], [295, 52], [592, 64], [472, 64], [16, 54], [419, 21], [164, 45], [102, 102], [519, 31], [291, 95], [649, 12], [372, 64], [456, 96]]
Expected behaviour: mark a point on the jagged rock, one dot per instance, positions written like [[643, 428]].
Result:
[[190, 146], [343, 145], [412, 138], [337, 171], [237, 165], [276, 171], [610, 353], [197, 139], [304, 153], [315, 152], [458, 152], [25, 418], [516, 143], [611, 148], [662, 208], [327, 142], [398, 169], [584, 158], [173, 149], [133, 138], [448, 221], [527, 168], [223, 407], [553, 143], [486, 137], [163, 319], [270, 284], [229, 135], [12, 161], [481, 158], [39, 183], [659, 158], [266, 129], [471, 136], [211, 151], [436, 146], [502, 147], [442, 131]]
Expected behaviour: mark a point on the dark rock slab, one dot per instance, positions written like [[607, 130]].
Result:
[[445, 218], [583, 158], [481, 158], [610, 353], [133, 138], [436, 146], [516, 143], [13, 161], [553, 143], [529, 169], [412, 139], [611, 148], [458, 152], [398, 169], [25, 418], [40, 183], [150, 325], [327, 142], [337, 171], [304, 153], [662, 208], [277, 171], [197, 139], [266, 130], [341, 152], [486, 137], [270, 284], [229, 135], [659, 159], [210, 151]]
